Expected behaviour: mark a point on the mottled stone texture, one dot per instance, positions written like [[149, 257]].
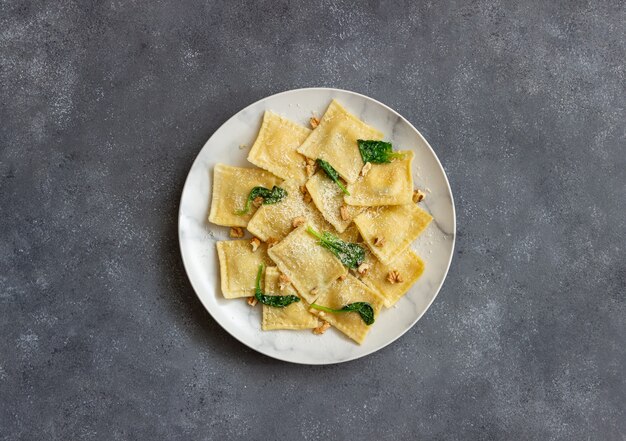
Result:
[[103, 107]]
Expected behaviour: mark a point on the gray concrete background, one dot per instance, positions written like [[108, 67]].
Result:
[[104, 106]]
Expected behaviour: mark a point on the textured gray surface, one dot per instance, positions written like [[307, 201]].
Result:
[[103, 107]]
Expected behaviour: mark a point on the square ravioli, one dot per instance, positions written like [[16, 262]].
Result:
[[384, 184], [389, 230], [334, 140], [294, 316], [276, 220], [328, 199], [339, 294], [275, 147], [392, 281], [309, 266], [239, 266], [231, 187]]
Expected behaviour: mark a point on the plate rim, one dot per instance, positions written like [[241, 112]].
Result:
[[438, 289]]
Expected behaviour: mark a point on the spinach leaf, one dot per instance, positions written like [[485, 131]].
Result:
[[270, 300], [351, 254], [377, 152], [364, 309], [332, 174], [276, 194]]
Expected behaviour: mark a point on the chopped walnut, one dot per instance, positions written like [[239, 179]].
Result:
[[271, 242], [366, 168], [418, 196], [321, 329], [305, 194], [394, 277], [310, 170], [314, 121], [283, 281], [297, 221], [252, 301], [343, 211], [314, 291], [363, 268], [342, 277], [257, 201], [255, 243], [379, 241], [236, 232]]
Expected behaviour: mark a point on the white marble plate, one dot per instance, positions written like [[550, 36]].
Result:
[[197, 237]]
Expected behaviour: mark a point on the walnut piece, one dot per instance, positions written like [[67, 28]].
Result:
[[394, 277], [255, 243], [314, 121], [297, 221], [418, 196], [363, 268], [379, 241], [321, 329], [236, 232], [271, 241], [305, 194], [283, 281], [252, 301], [343, 211], [314, 291], [257, 201], [366, 168]]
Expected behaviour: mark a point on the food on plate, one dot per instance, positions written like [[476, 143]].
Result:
[[384, 184], [332, 211], [335, 140], [231, 187]]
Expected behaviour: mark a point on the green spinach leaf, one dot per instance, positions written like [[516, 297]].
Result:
[[364, 309], [276, 194], [350, 254], [377, 152], [332, 174]]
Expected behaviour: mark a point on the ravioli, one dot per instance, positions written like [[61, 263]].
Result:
[[378, 214], [276, 220], [328, 199], [239, 266], [275, 147], [309, 266], [409, 268], [384, 184], [294, 316], [389, 230], [341, 293], [334, 140], [231, 187]]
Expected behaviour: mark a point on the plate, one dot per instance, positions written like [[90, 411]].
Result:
[[230, 145]]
